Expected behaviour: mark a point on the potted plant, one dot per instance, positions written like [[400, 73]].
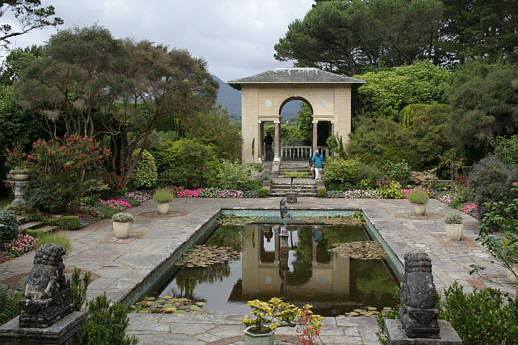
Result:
[[122, 224], [276, 313], [419, 198], [453, 227], [162, 198]]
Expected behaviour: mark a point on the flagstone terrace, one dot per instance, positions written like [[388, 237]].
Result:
[[118, 266]]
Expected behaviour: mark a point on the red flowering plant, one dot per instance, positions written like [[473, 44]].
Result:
[[16, 158], [75, 166]]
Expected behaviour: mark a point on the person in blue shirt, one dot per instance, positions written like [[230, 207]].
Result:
[[317, 163]]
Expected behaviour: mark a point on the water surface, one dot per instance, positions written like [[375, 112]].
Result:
[[298, 268]]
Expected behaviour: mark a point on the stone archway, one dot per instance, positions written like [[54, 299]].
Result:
[[264, 94]]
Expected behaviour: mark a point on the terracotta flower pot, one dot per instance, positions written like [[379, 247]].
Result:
[[454, 232], [121, 229], [259, 338], [163, 207]]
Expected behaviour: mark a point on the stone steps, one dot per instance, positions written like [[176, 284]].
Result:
[[295, 187], [303, 187], [30, 226], [47, 229], [280, 194], [294, 168]]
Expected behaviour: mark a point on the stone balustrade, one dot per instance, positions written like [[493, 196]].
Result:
[[301, 152]]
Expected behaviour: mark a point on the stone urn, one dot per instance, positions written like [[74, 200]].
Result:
[[121, 229], [252, 338], [19, 181], [163, 207], [454, 232], [19, 174], [419, 209]]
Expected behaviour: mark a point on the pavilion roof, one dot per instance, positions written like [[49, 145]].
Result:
[[296, 75]]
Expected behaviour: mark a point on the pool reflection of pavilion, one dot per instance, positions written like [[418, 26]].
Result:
[[268, 268]]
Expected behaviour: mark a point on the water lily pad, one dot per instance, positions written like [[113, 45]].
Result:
[[364, 250], [229, 219], [168, 305], [203, 256]]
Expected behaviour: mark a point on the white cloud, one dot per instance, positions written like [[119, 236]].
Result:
[[236, 37]]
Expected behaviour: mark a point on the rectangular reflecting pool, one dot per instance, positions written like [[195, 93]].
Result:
[[294, 263]]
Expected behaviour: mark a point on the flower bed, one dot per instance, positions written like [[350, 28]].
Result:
[[355, 194], [212, 192], [20, 245], [447, 197]]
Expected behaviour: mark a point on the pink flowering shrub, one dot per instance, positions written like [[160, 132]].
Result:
[[138, 196], [210, 193], [470, 208], [189, 193], [19, 246], [227, 193], [355, 194], [116, 204]]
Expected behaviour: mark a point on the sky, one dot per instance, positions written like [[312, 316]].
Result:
[[235, 37]]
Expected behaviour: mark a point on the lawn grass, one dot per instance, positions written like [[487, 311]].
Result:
[[53, 238]]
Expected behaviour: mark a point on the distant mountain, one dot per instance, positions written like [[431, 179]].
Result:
[[230, 98]]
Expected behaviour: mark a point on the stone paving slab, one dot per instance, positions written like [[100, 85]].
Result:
[[119, 265]]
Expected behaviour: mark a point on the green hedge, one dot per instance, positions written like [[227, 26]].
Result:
[[186, 163], [343, 174], [70, 222]]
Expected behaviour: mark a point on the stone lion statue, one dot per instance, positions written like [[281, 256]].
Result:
[[47, 293]]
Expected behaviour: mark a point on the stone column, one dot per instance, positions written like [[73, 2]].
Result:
[[277, 156], [19, 191], [315, 135], [260, 141], [332, 125]]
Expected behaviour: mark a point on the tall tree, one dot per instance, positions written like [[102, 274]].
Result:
[[23, 16], [14, 62], [484, 103], [78, 72], [348, 36], [159, 82], [479, 29], [99, 86]]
